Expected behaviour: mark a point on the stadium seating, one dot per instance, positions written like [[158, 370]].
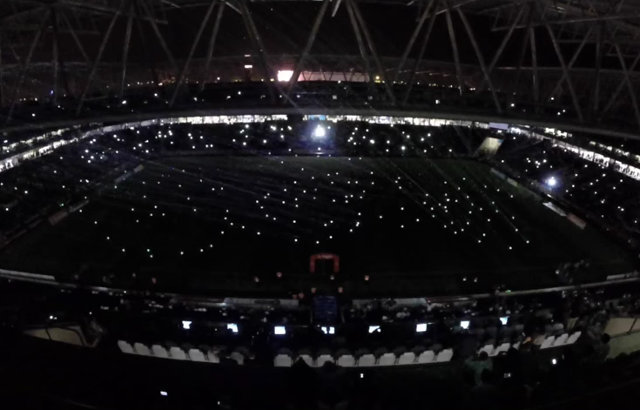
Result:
[[426, 357], [503, 348], [561, 340], [196, 355], [573, 338], [444, 355], [237, 357], [282, 360], [141, 349], [307, 359], [346, 360], [159, 351], [407, 358], [323, 359], [177, 353], [366, 360], [547, 343], [125, 347], [387, 359]]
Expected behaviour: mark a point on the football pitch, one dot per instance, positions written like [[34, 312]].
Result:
[[415, 226]]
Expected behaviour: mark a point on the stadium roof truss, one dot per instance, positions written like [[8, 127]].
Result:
[[581, 56]]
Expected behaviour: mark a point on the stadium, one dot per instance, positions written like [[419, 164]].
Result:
[[319, 204]]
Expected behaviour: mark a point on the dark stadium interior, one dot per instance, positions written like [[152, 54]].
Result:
[[319, 204]]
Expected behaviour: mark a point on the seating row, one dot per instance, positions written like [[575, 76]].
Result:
[[284, 359], [545, 342], [177, 353]]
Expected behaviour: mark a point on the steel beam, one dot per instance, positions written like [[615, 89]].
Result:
[[74, 35], [556, 88], [574, 98], [25, 67], [480, 58], [454, 46], [94, 67], [55, 58], [158, 34], [212, 44], [258, 47], [336, 7], [535, 78], [192, 50], [125, 49], [598, 67], [310, 40], [423, 48], [632, 94], [361, 47], [503, 44], [1, 71], [374, 52], [413, 38], [619, 88]]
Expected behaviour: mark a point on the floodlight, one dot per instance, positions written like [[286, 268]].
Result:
[[285, 75], [319, 132], [279, 330], [421, 327]]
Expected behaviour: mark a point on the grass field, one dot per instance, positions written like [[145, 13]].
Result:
[[416, 226]]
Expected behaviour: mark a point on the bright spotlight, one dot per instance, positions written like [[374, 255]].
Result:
[[465, 324], [551, 182], [163, 393], [421, 327], [233, 327], [284, 75], [374, 329], [504, 320], [328, 330], [319, 132], [554, 361], [279, 330], [186, 324]]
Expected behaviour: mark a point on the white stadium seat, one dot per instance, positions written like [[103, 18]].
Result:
[[196, 355], [322, 359], [213, 356], [125, 347], [445, 355], [387, 359], [346, 360], [407, 358], [237, 357], [159, 351], [426, 356], [177, 353], [282, 360], [573, 338], [488, 349], [561, 340], [503, 348], [141, 349], [307, 359], [547, 343], [367, 360]]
